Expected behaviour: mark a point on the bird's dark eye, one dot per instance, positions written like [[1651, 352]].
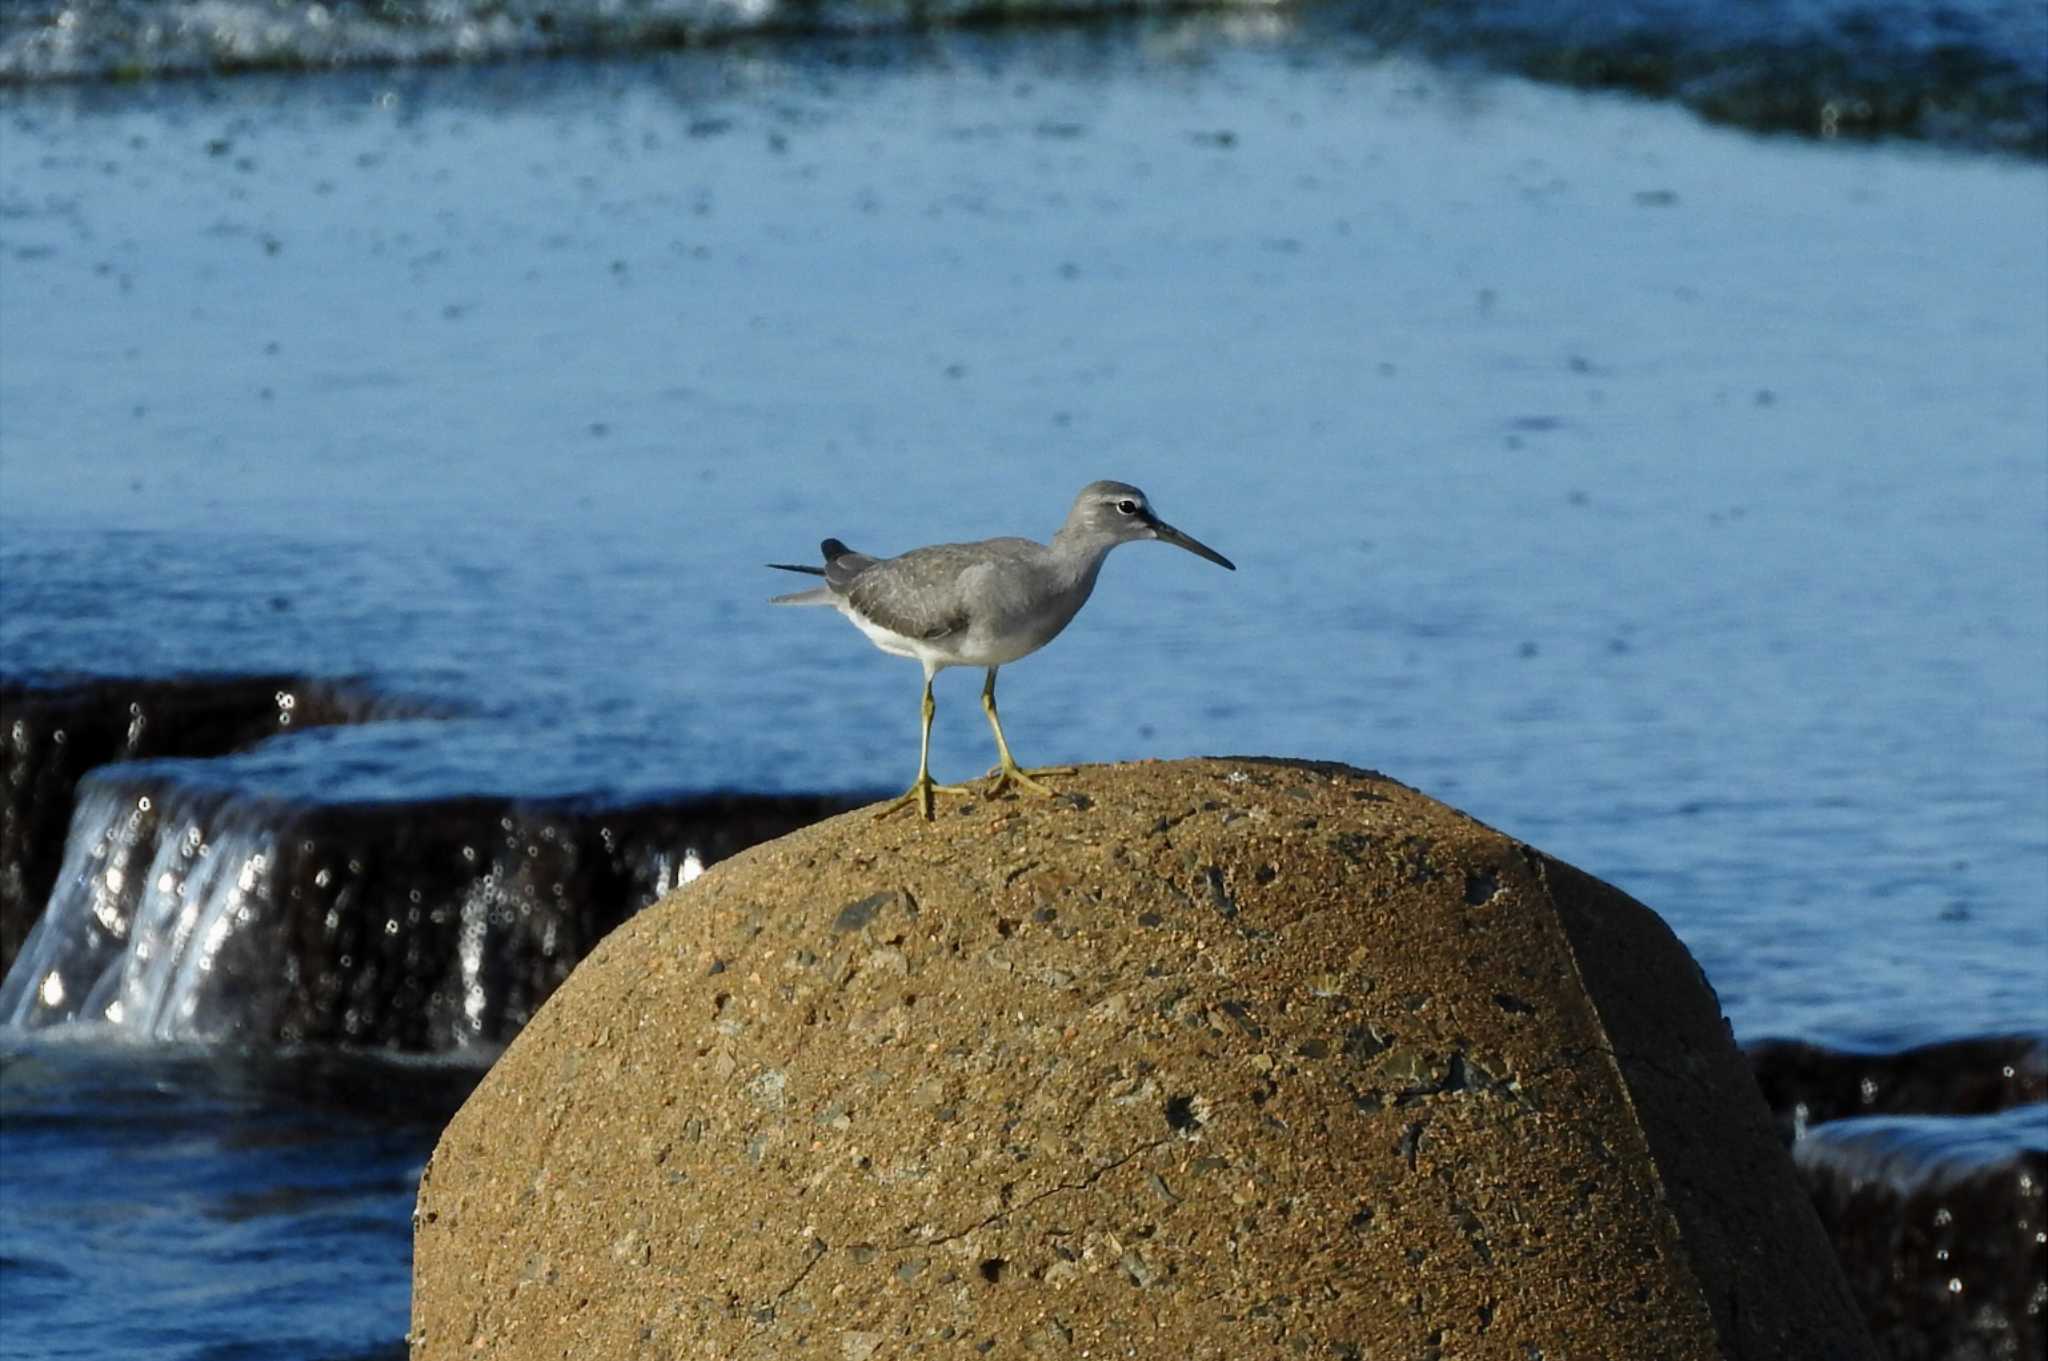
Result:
[[1127, 506]]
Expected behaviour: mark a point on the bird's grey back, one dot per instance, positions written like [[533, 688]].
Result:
[[922, 594]]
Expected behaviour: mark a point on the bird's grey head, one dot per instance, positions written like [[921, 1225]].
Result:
[[1117, 512]]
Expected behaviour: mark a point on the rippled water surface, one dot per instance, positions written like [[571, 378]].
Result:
[[176, 1212], [1672, 499]]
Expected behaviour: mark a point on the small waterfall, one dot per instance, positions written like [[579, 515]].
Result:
[[107, 856], [186, 912], [156, 884]]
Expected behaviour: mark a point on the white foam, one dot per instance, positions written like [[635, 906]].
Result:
[[137, 950]]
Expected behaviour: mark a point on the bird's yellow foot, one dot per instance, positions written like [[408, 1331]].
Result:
[[1010, 773], [921, 794]]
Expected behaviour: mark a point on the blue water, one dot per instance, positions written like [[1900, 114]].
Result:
[[167, 1206], [1673, 499]]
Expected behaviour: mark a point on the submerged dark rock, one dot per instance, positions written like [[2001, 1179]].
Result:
[[1938, 1222], [52, 734], [1809, 1084], [1928, 1167]]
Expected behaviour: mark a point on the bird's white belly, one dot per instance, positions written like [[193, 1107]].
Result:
[[895, 644]]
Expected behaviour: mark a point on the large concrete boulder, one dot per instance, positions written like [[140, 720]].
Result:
[[1221, 1058]]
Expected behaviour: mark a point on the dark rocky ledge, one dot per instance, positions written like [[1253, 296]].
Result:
[[51, 734], [1810, 1084], [1929, 1168], [179, 909], [197, 913]]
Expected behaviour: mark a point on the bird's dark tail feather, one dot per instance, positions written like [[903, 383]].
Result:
[[831, 548]]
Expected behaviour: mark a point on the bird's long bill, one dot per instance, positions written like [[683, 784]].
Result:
[[1168, 534]]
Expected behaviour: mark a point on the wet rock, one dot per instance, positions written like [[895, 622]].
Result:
[[197, 913], [1927, 1166], [51, 734], [1015, 1084], [1809, 1084], [1941, 1223]]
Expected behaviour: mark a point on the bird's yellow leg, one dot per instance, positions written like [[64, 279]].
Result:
[[922, 789], [1009, 772]]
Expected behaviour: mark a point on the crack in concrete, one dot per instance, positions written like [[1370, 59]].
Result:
[[1621, 1058], [763, 1317], [1094, 1176], [818, 1251]]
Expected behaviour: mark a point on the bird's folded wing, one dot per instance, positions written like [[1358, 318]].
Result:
[[914, 596]]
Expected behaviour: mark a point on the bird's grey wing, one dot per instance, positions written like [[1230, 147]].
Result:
[[917, 595]]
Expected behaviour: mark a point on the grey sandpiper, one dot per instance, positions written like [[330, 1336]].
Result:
[[983, 604]]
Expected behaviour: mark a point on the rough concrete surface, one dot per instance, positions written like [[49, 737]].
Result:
[[1218, 1058]]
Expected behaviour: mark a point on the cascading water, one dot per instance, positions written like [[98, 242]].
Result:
[[184, 911], [107, 856], [159, 886]]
